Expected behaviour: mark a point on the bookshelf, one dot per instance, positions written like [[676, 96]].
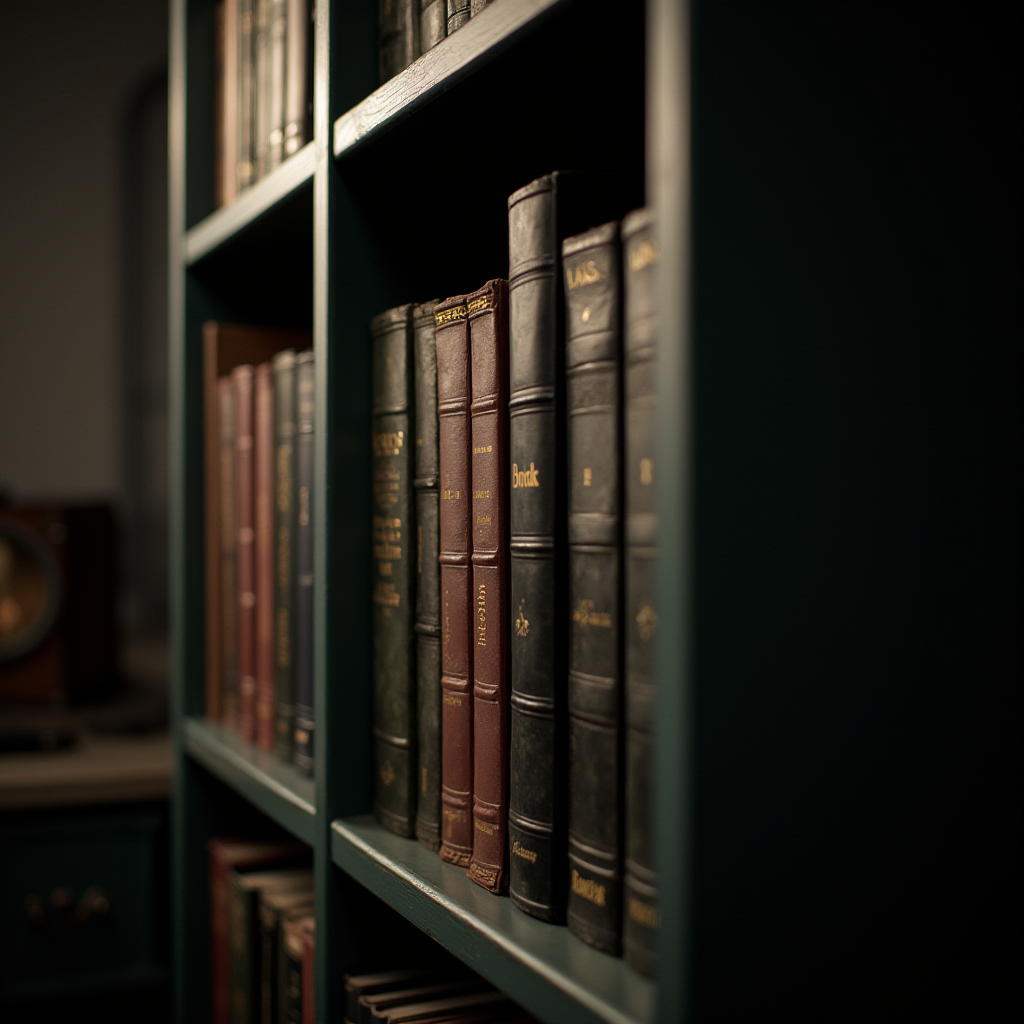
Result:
[[800, 520]]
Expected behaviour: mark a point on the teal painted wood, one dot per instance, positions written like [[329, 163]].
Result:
[[225, 223], [276, 788], [543, 967], [668, 189], [453, 59]]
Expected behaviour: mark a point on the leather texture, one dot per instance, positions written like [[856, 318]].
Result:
[[453, 388], [590, 264], [297, 65], [428, 579], [264, 495], [639, 266], [433, 23], [476, 6], [458, 14], [398, 36], [305, 385], [284, 553], [487, 311], [228, 539], [245, 550], [394, 669]]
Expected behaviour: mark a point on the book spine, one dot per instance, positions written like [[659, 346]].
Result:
[[398, 39], [269, 922], [453, 383], [639, 259], [476, 6], [487, 312], [229, 104], [305, 382], [246, 94], [228, 541], [433, 23], [291, 950], [296, 76], [593, 355], [284, 550], [428, 580], [261, 113], [264, 493], [244, 1008], [276, 89], [245, 550], [394, 671], [458, 14], [220, 942], [211, 532], [308, 984], [537, 548]]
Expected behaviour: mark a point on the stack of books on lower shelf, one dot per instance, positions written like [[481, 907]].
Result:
[[514, 540], [259, 432]]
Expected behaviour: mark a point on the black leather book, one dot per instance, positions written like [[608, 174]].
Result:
[[398, 35], [541, 215], [428, 580], [284, 553], [458, 14], [640, 621], [394, 669], [590, 264], [433, 23], [305, 383]]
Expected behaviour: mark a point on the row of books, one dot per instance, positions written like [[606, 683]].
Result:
[[514, 540], [407, 28], [263, 89], [259, 394], [262, 933]]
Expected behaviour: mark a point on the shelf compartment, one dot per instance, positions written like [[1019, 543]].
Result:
[[543, 967], [275, 788], [228, 221], [496, 28]]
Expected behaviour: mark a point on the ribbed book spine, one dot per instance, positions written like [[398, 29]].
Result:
[[284, 553], [276, 89], [487, 311], [305, 381], [458, 14], [246, 94], [398, 35], [264, 494], [428, 580], [537, 546], [296, 76], [433, 23], [590, 263], [639, 259], [228, 538], [245, 549], [394, 670], [453, 384]]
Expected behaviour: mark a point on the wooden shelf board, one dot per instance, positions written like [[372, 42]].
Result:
[[275, 788], [445, 65], [543, 967], [252, 204]]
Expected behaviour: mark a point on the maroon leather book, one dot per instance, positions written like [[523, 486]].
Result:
[[487, 312], [453, 377], [245, 550], [264, 494]]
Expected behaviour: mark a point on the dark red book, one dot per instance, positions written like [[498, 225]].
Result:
[[453, 377], [487, 312], [242, 377], [264, 494]]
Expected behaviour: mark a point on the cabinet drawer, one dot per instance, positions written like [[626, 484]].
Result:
[[79, 901]]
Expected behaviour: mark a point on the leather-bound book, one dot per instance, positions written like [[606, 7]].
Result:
[[275, 908], [358, 985], [222, 628], [640, 621], [540, 216], [373, 1005], [476, 6], [227, 855], [293, 931], [261, 48], [458, 14], [284, 553], [264, 494], [448, 1007], [428, 580], [227, 119], [590, 263], [298, 37], [487, 312], [277, 47], [308, 929], [398, 35], [433, 23], [453, 384], [246, 94], [242, 379], [305, 383], [393, 535]]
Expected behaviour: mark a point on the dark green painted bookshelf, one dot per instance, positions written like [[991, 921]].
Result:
[[815, 563]]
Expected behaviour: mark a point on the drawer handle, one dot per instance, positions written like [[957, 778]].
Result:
[[63, 914]]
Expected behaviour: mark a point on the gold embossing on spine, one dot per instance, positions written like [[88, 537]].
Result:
[[446, 316], [588, 889]]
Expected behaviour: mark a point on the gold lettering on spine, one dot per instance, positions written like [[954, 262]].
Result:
[[588, 889], [481, 616], [446, 316], [588, 476], [585, 617], [303, 506], [525, 477], [581, 274], [643, 254], [644, 914], [647, 472], [483, 826], [387, 443], [518, 850]]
